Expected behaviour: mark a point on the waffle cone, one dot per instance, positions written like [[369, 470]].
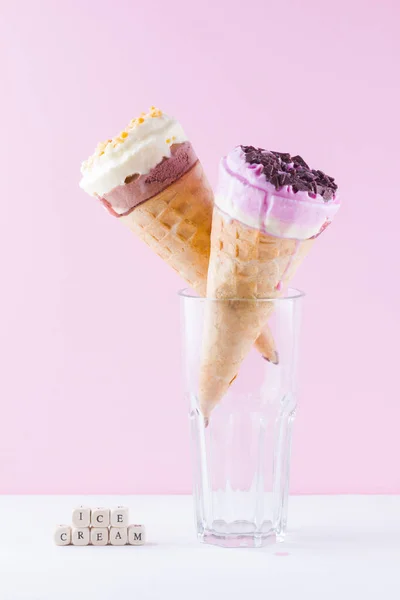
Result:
[[245, 265], [176, 224]]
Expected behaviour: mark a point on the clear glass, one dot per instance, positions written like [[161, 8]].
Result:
[[241, 459]]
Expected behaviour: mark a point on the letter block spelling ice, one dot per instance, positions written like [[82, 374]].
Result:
[[119, 516], [100, 517], [81, 516]]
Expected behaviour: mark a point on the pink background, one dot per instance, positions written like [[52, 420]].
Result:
[[88, 402]]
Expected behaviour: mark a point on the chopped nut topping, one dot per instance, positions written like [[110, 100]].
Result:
[[119, 139]]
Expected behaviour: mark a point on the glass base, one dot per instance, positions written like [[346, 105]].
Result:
[[241, 534]]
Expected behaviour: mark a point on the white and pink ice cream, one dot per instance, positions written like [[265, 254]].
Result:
[[275, 193], [145, 158]]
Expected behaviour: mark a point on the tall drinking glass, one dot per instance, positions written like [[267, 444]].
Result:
[[241, 459]]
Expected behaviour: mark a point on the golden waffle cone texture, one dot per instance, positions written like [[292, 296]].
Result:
[[245, 265]]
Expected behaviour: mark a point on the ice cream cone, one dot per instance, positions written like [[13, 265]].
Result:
[[150, 178], [249, 263]]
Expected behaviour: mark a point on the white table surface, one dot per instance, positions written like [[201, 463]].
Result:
[[339, 547]]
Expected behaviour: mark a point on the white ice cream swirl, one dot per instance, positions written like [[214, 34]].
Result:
[[136, 150]]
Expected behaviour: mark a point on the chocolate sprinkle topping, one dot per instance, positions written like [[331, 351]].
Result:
[[281, 169]]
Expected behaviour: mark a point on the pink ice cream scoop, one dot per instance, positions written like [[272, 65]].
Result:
[[122, 200], [276, 193]]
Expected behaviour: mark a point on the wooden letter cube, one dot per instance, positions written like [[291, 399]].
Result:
[[118, 536], [119, 516], [136, 535], [62, 535], [81, 517], [99, 536], [100, 517], [80, 536]]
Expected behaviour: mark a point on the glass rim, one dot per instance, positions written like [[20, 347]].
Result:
[[290, 294]]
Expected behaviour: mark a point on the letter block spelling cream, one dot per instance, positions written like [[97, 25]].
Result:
[[62, 535], [136, 535], [81, 516], [118, 536], [100, 517], [80, 536], [119, 517], [99, 536]]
